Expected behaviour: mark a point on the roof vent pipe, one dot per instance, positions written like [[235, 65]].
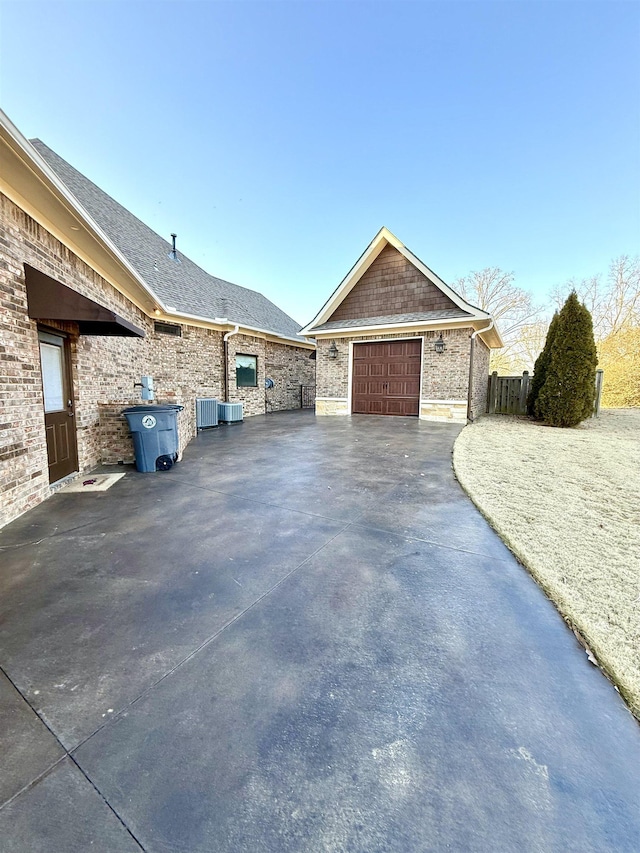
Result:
[[173, 253]]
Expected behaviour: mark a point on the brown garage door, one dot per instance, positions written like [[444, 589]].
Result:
[[386, 378]]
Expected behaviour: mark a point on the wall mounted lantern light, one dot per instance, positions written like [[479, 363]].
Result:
[[333, 350], [440, 345]]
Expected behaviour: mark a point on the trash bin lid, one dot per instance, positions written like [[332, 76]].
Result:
[[138, 410]]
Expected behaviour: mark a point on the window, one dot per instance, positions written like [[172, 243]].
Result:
[[246, 371], [161, 328]]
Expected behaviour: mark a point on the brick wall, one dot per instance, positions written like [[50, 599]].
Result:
[[391, 285], [104, 369], [253, 399], [445, 376], [481, 356], [289, 367], [332, 374]]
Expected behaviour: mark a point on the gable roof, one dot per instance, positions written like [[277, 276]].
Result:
[[461, 312], [181, 286], [28, 181]]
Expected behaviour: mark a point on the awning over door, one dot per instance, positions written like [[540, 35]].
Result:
[[47, 299]]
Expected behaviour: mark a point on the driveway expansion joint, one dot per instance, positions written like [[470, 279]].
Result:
[[208, 641], [50, 769]]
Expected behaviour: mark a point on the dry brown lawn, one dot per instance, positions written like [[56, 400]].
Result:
[[567, 503]]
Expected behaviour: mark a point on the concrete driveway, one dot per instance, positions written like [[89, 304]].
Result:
[[303, 637]]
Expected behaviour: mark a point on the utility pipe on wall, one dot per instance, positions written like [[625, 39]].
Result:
[[225, 346], [471, 350]]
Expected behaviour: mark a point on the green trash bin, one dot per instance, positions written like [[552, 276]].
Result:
[[154, 430]]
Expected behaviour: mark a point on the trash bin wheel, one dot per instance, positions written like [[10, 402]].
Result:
[[163, 463]]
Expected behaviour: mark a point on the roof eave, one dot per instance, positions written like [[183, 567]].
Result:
[[384, 238], [224, 323], [491, 337], [37, 187]]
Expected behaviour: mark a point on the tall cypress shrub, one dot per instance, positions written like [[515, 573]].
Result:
[[569, 390], [541, 366]]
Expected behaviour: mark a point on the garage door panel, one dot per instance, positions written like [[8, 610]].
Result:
[[377, 369], [386, 378], [403, 389], [407, 368]]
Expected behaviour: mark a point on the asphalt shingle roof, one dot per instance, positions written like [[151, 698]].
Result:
[[390, 319], [182, 285]]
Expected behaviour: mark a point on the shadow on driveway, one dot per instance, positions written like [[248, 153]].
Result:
[[303, 637]]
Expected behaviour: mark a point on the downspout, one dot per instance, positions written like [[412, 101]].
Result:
[[471, 351], [225, 346]]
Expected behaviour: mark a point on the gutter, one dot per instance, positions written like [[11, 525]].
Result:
[[225, 350], [471, 351], [209, 321], [439, 322], [22, 148]]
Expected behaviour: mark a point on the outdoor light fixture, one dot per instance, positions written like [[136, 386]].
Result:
[[333, 350], [440, 345]]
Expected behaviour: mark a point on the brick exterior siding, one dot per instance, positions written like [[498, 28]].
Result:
[[445, 376], [480, 378], [104, 369], [290, 368], [391, 285]]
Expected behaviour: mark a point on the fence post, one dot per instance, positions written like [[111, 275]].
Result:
[[524, 393], [493, 385], [596, 404]]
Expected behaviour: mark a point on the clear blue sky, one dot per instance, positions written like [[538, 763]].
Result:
[[276, 138]]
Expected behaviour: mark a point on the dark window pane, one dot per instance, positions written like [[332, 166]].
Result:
[[246, 371]]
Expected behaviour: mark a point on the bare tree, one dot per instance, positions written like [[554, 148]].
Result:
[[614, 300], [614, 303], [514, 312]]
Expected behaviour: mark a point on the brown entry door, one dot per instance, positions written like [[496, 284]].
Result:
[[59, 417], [386, 378]]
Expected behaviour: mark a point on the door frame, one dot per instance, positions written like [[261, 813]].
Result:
[[67, 377], [382, 341]]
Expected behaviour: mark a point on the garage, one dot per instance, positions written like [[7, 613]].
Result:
[[394, 339], [386, 377]]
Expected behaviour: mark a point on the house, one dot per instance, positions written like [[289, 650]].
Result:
[[394, 339], [91, 300]]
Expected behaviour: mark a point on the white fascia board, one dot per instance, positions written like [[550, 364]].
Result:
[[375, 247], [453, 296], [209, 322], [41, 170], [417, 325], [412, 326], [384, 238], [492, 335]]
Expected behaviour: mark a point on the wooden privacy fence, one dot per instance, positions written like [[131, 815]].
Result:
[[508, 394]]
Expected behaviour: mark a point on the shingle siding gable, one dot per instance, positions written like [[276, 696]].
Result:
[[391, 286]]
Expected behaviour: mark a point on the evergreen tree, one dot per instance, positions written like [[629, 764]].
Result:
[[540, 367], [568, 393]]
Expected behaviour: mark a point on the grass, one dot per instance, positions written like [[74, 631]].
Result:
[[567, 503]]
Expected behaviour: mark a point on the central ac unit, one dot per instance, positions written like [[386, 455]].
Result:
[[206, 412], [230, 413]]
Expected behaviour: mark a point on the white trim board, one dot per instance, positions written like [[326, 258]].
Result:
[[384, 238]]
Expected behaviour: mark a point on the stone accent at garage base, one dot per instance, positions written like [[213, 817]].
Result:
[[332, 406], [448, 411]]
